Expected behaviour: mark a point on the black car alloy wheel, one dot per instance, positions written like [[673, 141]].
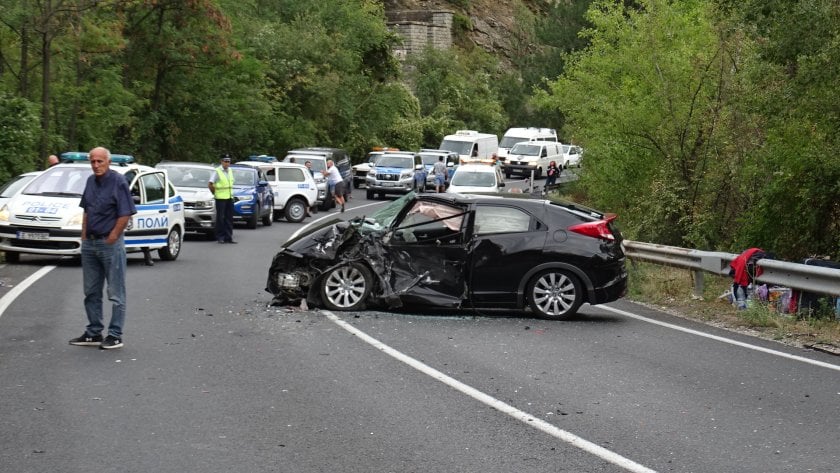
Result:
[[346, 287], [555, 294]]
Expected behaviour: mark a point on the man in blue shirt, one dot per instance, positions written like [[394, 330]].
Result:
[[108, 208]]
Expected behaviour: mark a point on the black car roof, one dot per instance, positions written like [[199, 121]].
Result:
[[522, 200]]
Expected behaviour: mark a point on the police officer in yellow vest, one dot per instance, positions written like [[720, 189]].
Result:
[[221, 185]]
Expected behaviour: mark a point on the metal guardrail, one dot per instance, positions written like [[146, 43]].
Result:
[[805, 277]]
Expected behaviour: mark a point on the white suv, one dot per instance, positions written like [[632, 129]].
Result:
[[45, 218], [293, 185]]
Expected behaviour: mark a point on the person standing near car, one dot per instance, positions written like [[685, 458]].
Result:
[[439, 171], [335, 183], [551, 174], [221, 185], [108, 208]]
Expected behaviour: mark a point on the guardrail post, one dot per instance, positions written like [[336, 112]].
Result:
[[698, 283]]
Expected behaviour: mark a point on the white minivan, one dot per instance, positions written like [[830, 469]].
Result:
[[518, 135], [472, 146], [529, 157], [45, 217]]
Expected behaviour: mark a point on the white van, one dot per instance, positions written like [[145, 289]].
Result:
[[472, 146], [527, 156], [572, 155], [45, 218], [517, 135]]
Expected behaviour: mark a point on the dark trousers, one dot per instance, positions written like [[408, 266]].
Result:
[[224, 219]]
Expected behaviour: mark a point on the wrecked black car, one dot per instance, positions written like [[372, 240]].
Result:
[[456, 251]]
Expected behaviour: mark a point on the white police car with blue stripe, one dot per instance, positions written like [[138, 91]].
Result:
[[45, 218]]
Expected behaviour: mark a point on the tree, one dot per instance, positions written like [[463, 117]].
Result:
[[455, 91], [19, 131], [652, 101], [795, 201], [330, 77]]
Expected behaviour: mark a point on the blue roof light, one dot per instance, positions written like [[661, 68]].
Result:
[[77, 156]]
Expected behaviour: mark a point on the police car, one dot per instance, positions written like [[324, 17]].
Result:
[[45, 218]]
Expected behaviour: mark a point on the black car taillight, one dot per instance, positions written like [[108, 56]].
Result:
[[597, 229]]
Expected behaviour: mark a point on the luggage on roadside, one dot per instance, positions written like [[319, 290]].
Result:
[[810, 304]]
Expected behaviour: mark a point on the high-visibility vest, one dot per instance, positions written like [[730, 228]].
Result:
[[224, 184]]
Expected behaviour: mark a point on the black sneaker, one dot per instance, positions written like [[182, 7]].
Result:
[[87, 340], [111, 342]]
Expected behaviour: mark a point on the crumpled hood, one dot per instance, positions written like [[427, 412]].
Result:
[[321, 241]]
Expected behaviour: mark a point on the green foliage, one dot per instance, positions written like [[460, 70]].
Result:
[[461, 26], [456, 91], [796, 200], [651, 101], [19, 130], [330, 78]]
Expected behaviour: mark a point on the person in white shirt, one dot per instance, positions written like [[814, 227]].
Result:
[[336, 183]]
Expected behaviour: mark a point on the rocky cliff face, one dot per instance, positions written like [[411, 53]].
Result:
[[491, 22]]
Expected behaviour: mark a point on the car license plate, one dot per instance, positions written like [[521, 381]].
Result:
[[389, 184], [33, 236]]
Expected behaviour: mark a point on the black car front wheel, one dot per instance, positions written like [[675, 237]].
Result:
[[346, 287], [555, 294]]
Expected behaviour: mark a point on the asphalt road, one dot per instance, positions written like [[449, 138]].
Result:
[[213, 379]]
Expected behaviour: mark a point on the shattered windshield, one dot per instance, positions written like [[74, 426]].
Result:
[[382, 218]]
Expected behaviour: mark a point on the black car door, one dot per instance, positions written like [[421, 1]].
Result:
[[507, 242], [427, 251]]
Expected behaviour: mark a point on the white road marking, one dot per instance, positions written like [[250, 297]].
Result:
[[720, 339], [524, 417], [10, 297]]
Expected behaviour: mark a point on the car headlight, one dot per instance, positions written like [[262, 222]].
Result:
[[406, 175], [372, 173], [4, 214], [204, 204], [76, 219], [244, 198]]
